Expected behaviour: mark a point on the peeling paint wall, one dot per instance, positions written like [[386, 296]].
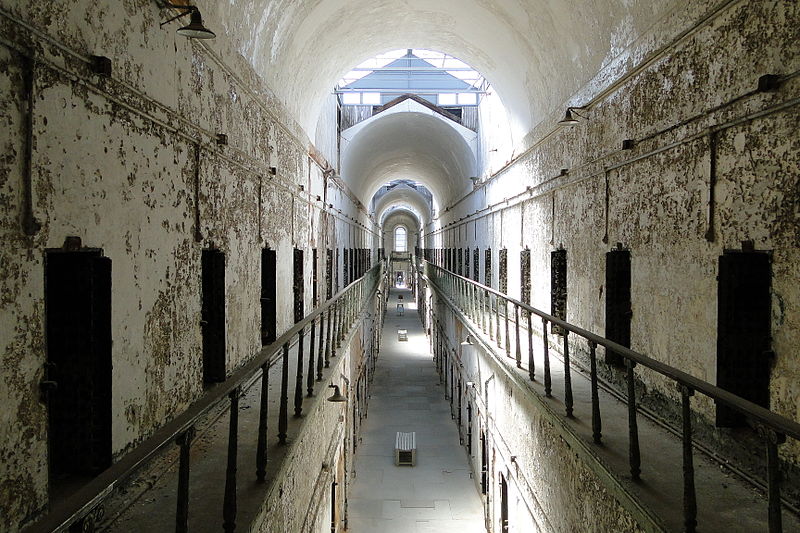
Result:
[[658, 193], [128, 164]]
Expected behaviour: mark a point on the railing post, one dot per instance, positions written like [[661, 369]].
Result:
[[567, 376], [337, 318], [516, 329], [772, 439], [321, 352], [182, 512], [298, 383], [485, 311], [596, 422], [473, 298], [689, 495], [229, 504], [261, 449], [531, 363], [283, 414], [547, 378], [328, 337], [497, 320], [508, 337], [633, 428]]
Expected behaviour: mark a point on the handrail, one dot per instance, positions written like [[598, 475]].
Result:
[[342, 310], [475, 301], [746, 407]]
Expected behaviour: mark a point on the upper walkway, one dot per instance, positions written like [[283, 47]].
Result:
[[438, 494], [724, 500]]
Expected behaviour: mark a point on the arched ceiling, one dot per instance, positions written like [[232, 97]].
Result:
[[535, 53], [411, 146], [406, 197], [402, 217]]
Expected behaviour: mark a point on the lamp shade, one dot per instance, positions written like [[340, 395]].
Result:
[[195, 28], [336, 397], [568, 119]]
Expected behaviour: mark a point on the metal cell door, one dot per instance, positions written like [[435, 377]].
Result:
[[743, 330], [213, 315], [618, 302], [77, 384]]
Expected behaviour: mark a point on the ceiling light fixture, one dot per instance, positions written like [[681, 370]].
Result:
[[195, 29], [569, 117]]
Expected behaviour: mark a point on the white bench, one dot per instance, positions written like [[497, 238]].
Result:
[[405, 449]]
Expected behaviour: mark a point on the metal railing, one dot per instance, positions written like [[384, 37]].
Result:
[[492, 312], [326, 327]]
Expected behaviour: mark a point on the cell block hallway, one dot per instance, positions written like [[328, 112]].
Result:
[[439, 494]]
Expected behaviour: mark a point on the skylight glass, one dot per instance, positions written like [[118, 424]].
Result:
[[435, 76]]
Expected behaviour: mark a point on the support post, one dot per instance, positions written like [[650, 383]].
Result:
[[182, 512], [229, 504], [596, 422], [261, 449]]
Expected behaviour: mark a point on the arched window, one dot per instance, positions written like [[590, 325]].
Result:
[[400, 239]]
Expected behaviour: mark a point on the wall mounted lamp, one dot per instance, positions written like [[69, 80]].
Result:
[[569, 117], [336, 397], [195, 29], [468, 341]]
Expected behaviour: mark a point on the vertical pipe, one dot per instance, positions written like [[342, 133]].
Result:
[[547, 378], [689, 496], [298, 383], [229, 504], [567, 376], [261, 447], [596, 422], [283, 414], [30, 226], [516, 329], [182, 511], [633, 429], [531, 364]]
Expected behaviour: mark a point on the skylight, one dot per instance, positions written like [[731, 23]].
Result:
[[439, 78]]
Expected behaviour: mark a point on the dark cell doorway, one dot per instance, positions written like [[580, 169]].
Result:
[[213, 316], [333, 507], [345, 267], [487, 268], [78, 381], [484, 464], [743, 330], [329, 270], [503, 504], [469, 427], [558, 288], [299, 286], [269, 315], [618, 302], [314, 276]]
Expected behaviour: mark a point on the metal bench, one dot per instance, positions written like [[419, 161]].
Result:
[[405, 449]]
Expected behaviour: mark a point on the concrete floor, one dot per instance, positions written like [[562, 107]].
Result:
[[438, 494]]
